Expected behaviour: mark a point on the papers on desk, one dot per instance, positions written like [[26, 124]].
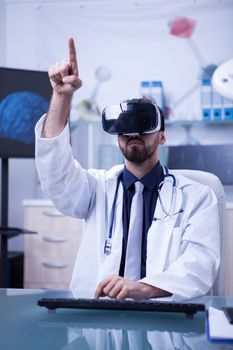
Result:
[[218, 327]]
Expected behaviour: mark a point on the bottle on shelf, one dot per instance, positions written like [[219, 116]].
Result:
[[206, 100], [155, 90], [227, 109], [145, 89], [214, 106]]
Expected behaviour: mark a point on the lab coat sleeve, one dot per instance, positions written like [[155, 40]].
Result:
[[193, 272], [70, 187]]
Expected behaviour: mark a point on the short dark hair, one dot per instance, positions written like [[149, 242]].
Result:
[[149, 99]]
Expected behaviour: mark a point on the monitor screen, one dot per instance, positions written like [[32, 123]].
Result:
[[216, 159], [24, 97]]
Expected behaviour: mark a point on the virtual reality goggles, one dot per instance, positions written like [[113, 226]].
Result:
[[131, 118]]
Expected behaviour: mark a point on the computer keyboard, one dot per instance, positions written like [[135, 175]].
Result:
[[123, 305]]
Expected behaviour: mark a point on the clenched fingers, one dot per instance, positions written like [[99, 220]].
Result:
[[116, 287]]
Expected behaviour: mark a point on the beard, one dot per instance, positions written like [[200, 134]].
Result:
[[138, 153]]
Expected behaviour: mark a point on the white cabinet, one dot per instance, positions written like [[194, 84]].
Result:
[[229, 251], [50, 254]]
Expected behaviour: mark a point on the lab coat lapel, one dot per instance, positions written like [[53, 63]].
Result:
[[111, 262], [111, 189], [112, 183], [160, 232]]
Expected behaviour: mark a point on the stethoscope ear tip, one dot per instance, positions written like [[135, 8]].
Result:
[[169, 215]]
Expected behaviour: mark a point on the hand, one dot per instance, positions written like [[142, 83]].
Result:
[[121, 288], [64, 76]]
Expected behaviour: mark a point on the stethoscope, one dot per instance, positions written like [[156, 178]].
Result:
[[168, 213]]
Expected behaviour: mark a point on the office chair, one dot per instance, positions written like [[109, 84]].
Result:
[[213, 181]]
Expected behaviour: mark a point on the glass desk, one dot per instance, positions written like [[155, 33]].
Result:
[[24, 325]]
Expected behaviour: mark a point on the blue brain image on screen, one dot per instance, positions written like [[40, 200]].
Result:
[[19, 113]]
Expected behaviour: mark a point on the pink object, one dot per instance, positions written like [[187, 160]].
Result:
[[182, 27]]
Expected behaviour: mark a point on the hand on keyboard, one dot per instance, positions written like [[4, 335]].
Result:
[[121, 288]]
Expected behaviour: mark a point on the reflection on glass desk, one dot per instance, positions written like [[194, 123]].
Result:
[[24, 325]]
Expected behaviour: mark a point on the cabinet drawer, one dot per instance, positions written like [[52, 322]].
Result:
[[45, 219], [39, 270], [50, 254], [52, 244], [53, 286]]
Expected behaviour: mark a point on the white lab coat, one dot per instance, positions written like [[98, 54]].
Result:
[[183, 251], [107, 338]]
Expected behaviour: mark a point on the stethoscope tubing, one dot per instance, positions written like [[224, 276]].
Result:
[[113, 211], [108, 243]]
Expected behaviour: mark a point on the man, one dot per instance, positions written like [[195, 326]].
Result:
[[180, 242]]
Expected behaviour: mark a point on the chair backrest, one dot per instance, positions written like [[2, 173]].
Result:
[[213, 181]]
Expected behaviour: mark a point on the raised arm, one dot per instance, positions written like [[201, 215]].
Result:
[[64, 78]]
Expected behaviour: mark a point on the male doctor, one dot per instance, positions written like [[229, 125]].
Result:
[[179, 237]]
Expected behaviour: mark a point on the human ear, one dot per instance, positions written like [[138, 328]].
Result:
[[162, 138]]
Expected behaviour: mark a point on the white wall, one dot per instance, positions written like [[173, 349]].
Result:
[[130, 38], [132, 41]]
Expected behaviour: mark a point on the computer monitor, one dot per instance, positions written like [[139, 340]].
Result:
[[24, 97], [216, 159]]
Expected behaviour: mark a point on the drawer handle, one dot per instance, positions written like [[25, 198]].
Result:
[[54, 265], [55, 239], [53, 215]]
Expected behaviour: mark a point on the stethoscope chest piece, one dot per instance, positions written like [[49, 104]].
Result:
[[107, 247]]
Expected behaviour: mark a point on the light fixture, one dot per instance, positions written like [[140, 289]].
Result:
[[222, 79]]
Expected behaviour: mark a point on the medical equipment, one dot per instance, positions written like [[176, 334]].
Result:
[[130, 118], [168, 213]]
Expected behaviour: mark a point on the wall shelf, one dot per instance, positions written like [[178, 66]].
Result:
[[187, 125], [191, 123]]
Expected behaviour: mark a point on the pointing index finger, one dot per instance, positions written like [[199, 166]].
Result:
[[72, 57]]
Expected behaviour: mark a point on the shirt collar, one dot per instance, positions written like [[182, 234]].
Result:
[[150, 180]]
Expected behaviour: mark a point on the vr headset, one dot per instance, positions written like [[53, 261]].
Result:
[[131, 118]]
